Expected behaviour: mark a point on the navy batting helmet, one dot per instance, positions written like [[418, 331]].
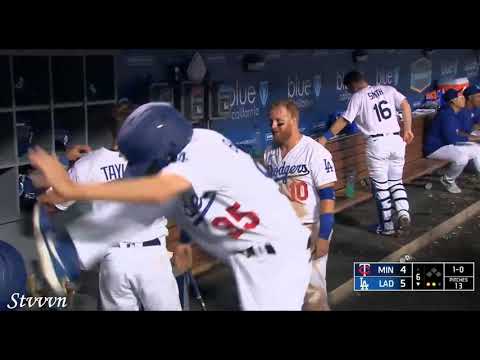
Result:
[[13, 274], [152, 137]]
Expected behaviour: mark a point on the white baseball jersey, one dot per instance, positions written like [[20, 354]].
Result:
[[376, 108], [105, 165], [233, 205], [304, 169]]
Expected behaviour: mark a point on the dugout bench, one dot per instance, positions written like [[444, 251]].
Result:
[[348, 155]]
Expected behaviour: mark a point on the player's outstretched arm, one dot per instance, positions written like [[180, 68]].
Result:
[[408, 135], [337, 126], [152, 189]]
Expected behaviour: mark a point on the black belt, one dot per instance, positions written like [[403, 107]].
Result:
[[154, 242], [251, 250], [378, 135]]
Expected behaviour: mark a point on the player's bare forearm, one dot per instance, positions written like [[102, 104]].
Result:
[[408, 135], [337, 126], [152, 189], [327, 206], [407, 115]]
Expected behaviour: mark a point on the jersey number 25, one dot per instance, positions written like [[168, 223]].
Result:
[[235, 231]]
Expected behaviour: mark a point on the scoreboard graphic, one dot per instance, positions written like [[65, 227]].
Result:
[[414, 276]]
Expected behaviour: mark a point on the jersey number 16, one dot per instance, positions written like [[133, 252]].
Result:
[[383, 112]]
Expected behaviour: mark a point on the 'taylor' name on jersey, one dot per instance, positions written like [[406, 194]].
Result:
[[113, 172]]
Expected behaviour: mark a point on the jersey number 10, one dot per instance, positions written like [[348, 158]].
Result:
[[298, 191], [382, 112]]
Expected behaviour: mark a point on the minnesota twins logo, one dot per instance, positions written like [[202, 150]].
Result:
[[364, 269], [317, 85], [263, 91]]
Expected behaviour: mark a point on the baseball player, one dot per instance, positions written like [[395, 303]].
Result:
[[470, 115], [136, 273], [216, 193], [376, 109], [305, 172], [445, 142]]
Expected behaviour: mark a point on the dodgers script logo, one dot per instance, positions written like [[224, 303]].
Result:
[[282, 172], [263, 90], [317, 85]]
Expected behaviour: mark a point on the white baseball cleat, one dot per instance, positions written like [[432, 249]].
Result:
[[403, 222], [451, 187], [378, 229]]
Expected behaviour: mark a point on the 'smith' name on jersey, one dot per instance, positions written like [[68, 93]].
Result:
[[375, 94], [113, 172], [279, 173]]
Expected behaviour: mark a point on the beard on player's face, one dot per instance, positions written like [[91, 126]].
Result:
[[282, 125], [282, 132]]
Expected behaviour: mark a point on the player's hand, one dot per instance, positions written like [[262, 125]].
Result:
[[319, 248], [408, 136], [76, 151], [38, 180], [50, 198], [182, 258], [52, 170]]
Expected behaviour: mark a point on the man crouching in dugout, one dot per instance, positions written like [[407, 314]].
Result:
[[304, 170]]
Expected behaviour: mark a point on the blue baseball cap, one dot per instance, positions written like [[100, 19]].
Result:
[[471, 90], [451, 94]]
